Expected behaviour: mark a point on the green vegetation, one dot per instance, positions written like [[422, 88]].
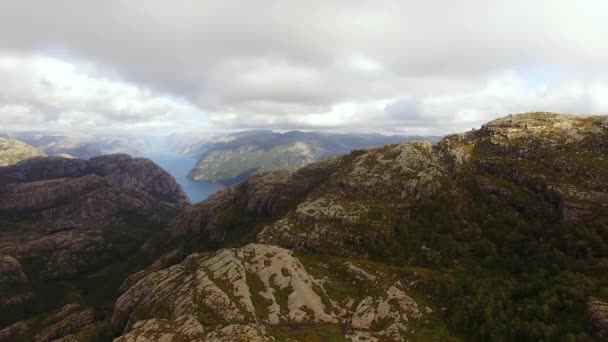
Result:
[[96, 287], [510, 269]]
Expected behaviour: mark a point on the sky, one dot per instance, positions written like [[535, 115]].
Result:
[[400, 67]]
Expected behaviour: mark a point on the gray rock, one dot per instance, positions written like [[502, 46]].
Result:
[[10, 270]]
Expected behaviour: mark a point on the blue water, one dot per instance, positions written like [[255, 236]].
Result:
[[178, 167]]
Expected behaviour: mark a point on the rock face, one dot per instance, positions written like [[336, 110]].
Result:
[[598, 313], [354, 199], [10, 270], [14, 151], [74, 198], [65, 321], [562, 158], [254, 288], [234, 157], [187, 328], [118, 170], [71, 318], [71, 192]]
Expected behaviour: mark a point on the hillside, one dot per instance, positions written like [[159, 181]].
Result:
[[13, 151], [497, 234], [232, 158], [70, 231]]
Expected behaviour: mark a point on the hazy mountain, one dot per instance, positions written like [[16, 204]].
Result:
[[13, 151], [233, 157], [79, 145]]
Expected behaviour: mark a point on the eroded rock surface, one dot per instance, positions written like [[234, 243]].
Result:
[[10, 269], [188, 328], [259, 284], [598, 313], [71, 318], [352, 208], [562, 158], [73, 199]]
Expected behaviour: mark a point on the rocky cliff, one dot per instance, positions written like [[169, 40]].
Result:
[[62, 218]]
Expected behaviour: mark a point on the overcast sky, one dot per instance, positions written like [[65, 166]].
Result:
[[414, 67]]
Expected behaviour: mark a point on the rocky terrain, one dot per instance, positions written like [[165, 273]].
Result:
[[232, 158], [467, 205], [13, 151], [259, 288], [61, 218], [497, 234]]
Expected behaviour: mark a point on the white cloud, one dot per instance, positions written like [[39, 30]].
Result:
[[435, 66], [54, 94]]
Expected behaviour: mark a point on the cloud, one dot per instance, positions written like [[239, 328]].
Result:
[[50, 93], [330, 64]]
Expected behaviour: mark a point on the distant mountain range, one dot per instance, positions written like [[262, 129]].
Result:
[[225, 159], [78, 145], [232, 158]]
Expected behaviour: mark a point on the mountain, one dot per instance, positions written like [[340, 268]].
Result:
[[494, 234], [232, 158], [13, 151], [69, 228], [79, 145], [497, 234]]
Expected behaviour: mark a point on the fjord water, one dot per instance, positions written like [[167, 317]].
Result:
[[178, 166]]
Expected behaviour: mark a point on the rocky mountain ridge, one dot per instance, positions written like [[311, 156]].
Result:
[[62, 218], [541, 170], [234, 157], [494, 234]]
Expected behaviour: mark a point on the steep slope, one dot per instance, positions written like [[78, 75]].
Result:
[[234, 157], [14, 151], [67, 225], [504, 229]]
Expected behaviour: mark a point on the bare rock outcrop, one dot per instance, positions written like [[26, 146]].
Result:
[[561, 158], [254, 288], [13, 332], [352, 208], [598, 314], [188, 328], [10, 270], [67, 202], [119, 170], [71, 318]]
